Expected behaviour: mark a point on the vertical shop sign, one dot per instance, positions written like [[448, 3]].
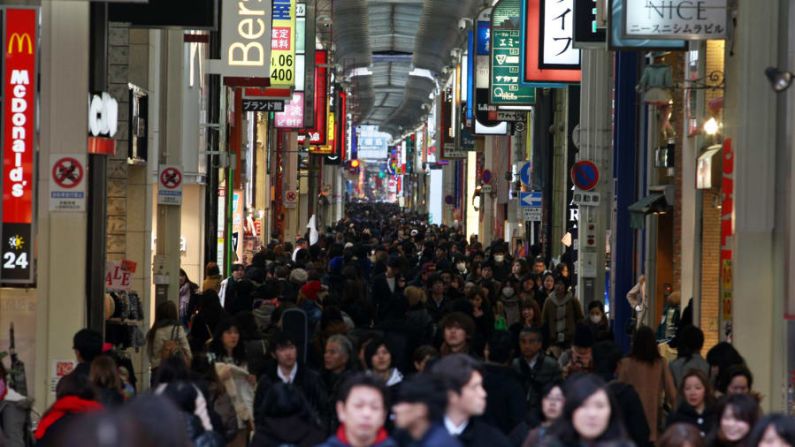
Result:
[[19, 113], [557, 35], [548, 53], [727, 233], [245, 47], [317, 136], [282, 71], [504, 87]]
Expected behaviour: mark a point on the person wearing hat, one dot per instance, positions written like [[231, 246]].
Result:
[[298, 277], [579, 359], [309, 300], [419, 411]]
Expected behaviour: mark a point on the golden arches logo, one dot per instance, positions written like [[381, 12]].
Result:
[[20, 40]]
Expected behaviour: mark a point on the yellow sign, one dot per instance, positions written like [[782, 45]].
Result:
[[20, 40], [282, 73]]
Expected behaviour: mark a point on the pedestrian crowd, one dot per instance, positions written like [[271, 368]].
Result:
[[386, 331]]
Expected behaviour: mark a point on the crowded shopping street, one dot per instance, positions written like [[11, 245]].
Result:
[[397, 223]]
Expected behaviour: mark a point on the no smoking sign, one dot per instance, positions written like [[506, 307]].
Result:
[[169, 186], [67, 182]]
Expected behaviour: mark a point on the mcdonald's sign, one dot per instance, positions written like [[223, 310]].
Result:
[[22, 42], [19, 44]]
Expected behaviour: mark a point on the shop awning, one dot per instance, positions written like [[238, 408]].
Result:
[[644, 206]]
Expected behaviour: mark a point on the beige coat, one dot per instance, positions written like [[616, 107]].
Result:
[[650, 381], [161, 336]]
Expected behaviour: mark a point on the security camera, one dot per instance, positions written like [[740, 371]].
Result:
[[462, 25]]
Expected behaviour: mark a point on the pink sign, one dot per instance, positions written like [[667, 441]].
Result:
[[293, 115]]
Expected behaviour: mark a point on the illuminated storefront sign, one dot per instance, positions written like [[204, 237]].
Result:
[[245, 46], [504, 86], [616, 37], [293, 115], [548, 54], [676, 19], [317, 136], [19, 115], [282, 69]]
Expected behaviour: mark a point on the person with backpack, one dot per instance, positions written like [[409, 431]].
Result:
[[167, 337]]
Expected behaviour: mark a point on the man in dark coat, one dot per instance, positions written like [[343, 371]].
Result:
[[505, 399], [419, 412], [386, 288], [288, 370], [466, 402], [534, 367]]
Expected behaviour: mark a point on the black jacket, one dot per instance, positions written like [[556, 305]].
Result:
[[505, 404], [478, 434], [286, 431], [307, 382], [381, 295], [688, 415], [546, 370]]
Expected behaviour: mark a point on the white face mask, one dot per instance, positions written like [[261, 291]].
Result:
[[499, 258], [507, 291], [596, 319], [461, 266]]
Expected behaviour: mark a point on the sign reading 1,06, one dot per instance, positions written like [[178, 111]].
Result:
[[282, 68]]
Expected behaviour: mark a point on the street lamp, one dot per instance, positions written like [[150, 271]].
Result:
[[779, 80]]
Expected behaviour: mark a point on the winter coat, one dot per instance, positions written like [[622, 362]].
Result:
[[681, 365], [307, 381], [437, 436], [685, 413], [478, 434], [649, 380], [505, 401], [291, 431], [56, 419], [339, 440], [546, 370], [572, 315]]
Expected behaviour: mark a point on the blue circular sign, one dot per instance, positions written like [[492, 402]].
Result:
[[524, 173], [585, 175]]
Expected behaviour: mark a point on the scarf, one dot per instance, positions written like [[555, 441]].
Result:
[[379, 438], [560, 315], [63, 407]]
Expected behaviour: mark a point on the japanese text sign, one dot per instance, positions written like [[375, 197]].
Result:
[[677, 19], [282, 71]]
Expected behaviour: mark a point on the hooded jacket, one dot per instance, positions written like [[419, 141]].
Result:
[[62, 411]]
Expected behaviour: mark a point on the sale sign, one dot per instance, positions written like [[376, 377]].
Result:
[[19, 114]]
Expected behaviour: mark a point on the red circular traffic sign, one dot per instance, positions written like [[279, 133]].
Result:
[[171, 178], [585, 175], [290, 196], [67, 172]]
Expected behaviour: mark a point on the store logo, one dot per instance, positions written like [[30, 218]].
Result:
[[16, 242], [20, 40]]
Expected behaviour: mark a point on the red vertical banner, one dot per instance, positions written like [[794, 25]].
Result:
[[317, 136], [727, 233], [20, 45]]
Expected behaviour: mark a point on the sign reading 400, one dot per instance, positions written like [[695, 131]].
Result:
[[282, 72]]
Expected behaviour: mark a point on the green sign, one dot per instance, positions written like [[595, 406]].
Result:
[[504, 85]]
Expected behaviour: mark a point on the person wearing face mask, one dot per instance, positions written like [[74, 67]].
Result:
[[501, 266], [737, 414], [508, 304], [461, 265], [598, 322], [560, 315]]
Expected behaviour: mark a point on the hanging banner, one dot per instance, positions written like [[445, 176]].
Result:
[[317, 136], [548, 54], [727, 236], [309, 65], [504, 86], [616, 35], [20, 52], [245, 46], [282, 72]]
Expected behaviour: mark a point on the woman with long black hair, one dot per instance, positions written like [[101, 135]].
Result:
[[590, 417]]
